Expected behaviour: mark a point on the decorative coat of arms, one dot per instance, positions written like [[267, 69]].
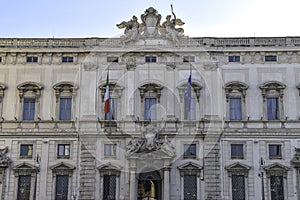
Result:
[[151, 27]]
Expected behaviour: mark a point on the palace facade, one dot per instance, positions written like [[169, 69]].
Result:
[[231, 132]]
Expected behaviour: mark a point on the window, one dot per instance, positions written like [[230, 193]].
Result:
[[235, 92], [189, 150], [272, 95], [24, 185], [112, 59], [237, 151], [26, 150], [109, 187], [235, 105], [110, 150], [233, 58], [272, 108], [61, 187], [67, 59], [112, 114], [190, 187], [270, 58], [276, 186], [63, 151], [275, 151], [32, 59], [188, 58], [150, 59], [28, 109], [238, 187], [65, 108], [65, 93], [150, 108]]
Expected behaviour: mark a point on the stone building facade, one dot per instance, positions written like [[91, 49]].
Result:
[[236, 135]]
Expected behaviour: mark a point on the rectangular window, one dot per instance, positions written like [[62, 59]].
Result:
[[110, 149], [63, 151], [28, 109], [67, 59], [112, 59], [150, 59], [272, 108], [237, 151], [26, 150], [189, 150], [24, 185], [234, 59], [109, 187], [190, 114], [112, 114], [65, 108], [276, 186], [238, 187], [270, 58], [190, 187], [61, 187], [150, 108], [188, 58], [235, 108], [32, 59], [275, 151]]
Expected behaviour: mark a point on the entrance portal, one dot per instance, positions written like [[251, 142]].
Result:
[[149, 186]]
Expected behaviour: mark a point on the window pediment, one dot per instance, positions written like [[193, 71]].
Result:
[[114, 89], [29, 89], [235, 88], [196, 88], [109, 169], [238, 168], [276, 169], [190, 168], [24, 169], [272, 88], [65, 89], [150, 90], [62, 168]]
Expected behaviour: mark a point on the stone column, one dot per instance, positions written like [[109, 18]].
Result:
[[166, 183], [132, 184]]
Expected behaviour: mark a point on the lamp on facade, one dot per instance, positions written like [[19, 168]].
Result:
[[36, 171]]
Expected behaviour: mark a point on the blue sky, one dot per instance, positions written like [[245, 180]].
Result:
[[98, 18]]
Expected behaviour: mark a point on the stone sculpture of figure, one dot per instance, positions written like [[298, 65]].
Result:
[[131, 32], [134, 145], [169, 30], [4, 160], [167, 147], [150, 135]]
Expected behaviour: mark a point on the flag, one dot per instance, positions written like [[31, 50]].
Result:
[[188, 94], [106, 97]]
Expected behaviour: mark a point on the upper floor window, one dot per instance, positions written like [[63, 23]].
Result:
[[235, 97], [110, 150], [29, 93], [32, 59], [270, 58], [150, 97], [63, 151], [272, 93], [189, 151], [234, 59], [65, 93], [237, 151], [26, 150], [275, 151], [112, 59], [67, 59], [150, 59], [188, 58]]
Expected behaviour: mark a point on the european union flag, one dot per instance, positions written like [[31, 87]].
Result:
[[188, 94]]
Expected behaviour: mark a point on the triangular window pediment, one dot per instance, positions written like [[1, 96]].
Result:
[[238, 166], [276, 167], [24, 166], [62, 166], [109, 169], [190, 166]]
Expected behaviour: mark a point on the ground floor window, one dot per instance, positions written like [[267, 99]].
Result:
[[190, 187], [109, 187], [238, 187], [61, 187], [24, 184], [276, 186]]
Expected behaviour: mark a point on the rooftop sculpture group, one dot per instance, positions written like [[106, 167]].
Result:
[[151, 27]]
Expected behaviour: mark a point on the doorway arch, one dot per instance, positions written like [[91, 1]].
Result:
[[150, 186]]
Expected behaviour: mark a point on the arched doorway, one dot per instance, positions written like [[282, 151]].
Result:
[[150, 186]]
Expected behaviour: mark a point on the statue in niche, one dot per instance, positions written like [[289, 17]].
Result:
[[132, 30]]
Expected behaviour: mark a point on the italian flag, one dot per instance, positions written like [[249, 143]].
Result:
[[106, 97]]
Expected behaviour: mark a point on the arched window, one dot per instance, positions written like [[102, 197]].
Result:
[[65, 93], [235, 92], [30, 93], [272, 93]]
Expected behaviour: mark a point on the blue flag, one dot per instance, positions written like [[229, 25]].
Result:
[[188, 94]]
